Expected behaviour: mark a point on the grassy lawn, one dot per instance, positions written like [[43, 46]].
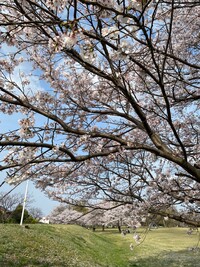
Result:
[[169, 247], [74, 246]]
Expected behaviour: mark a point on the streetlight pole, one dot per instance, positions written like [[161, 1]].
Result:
[[24, 203]]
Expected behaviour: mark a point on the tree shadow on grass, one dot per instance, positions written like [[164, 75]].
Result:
[[183, 258], [33, 263], [45, 263]]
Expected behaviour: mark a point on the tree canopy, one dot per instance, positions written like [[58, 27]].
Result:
[[107, 96]]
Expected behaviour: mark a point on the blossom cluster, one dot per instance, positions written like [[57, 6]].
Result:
[[57, 5], [62, 41], [106, 3], [25, 127]]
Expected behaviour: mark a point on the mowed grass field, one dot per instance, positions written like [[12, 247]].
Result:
[[75, 246]]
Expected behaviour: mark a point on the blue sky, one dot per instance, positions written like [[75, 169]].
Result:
[[9, 123]]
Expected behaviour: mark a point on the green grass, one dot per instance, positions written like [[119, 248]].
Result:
[[74, 246]]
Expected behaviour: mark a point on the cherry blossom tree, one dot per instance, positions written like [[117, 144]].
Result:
[[107, 214], [65, 215], [107, 94]]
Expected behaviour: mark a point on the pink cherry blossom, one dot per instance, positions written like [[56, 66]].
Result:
[[106, 96]]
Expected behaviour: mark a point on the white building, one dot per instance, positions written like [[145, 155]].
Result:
[[44, 220]]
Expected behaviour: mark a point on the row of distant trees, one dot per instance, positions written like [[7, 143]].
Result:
[[11, 209], [117, 217]]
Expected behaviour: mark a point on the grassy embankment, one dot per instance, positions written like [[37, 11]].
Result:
[[74, 246]]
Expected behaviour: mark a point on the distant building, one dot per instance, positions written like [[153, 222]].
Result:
[[44, 220]]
